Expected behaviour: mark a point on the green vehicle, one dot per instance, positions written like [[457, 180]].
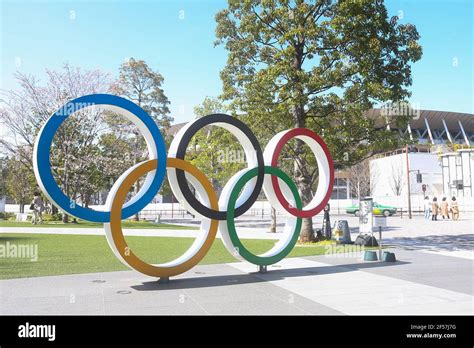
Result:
[[378, 209]]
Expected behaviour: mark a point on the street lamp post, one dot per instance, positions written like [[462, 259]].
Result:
[[408, 182], [418, 179]]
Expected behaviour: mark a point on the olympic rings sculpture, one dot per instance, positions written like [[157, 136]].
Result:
[[217, 214]]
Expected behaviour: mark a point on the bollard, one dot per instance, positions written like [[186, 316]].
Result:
[[370, 255], [388, 257]]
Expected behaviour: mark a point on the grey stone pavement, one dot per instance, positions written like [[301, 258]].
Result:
[[433, 274], [418, 283]]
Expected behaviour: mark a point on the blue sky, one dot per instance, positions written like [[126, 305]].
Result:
[[176, 38]]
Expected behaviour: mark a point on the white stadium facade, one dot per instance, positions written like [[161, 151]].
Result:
[[440, 164]]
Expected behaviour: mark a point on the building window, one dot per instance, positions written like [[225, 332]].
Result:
[[340, 189]]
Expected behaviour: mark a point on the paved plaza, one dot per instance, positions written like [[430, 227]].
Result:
[[433, 274], [418, 283]]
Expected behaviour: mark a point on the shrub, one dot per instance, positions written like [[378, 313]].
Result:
[[52, 217], [7, 216]]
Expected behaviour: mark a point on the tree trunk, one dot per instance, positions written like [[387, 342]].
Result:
[[135, 160], [304, 187], [273, 224], [137, 188], [301, 175], [303, 179], [66, 183]]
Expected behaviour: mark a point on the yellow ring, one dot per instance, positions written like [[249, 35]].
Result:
[[118, 238]]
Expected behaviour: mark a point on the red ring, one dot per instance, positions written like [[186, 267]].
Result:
[[276, 187]]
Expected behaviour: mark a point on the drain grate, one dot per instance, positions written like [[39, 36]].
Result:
[[98, 281], [124, 292]]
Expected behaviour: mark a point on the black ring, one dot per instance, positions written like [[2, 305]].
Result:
[[181, 178]]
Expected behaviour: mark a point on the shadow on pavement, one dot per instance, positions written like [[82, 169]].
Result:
[[250, 278], [439, 242]]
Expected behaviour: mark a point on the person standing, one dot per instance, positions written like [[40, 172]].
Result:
[[38, 207], [434, 209], [454, 208], [444, 209], [427, 207]]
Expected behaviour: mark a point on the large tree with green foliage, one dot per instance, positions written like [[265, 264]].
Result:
[[317, 64], [140, 84], [215, 151]]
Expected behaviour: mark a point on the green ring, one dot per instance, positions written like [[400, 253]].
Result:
[[246, 254]]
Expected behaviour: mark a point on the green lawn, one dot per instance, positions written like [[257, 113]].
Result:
[[69, 254], [87, 224]]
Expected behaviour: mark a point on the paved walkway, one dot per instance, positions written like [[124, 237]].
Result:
[[419, 283], [448, 237]]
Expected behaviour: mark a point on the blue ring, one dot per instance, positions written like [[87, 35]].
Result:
[[44, 165]]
